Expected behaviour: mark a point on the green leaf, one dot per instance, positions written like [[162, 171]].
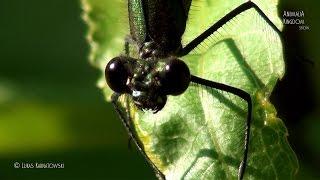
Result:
[[107, 27], [200, 134]]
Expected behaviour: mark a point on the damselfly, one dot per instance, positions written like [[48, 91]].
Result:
[[156, 28]]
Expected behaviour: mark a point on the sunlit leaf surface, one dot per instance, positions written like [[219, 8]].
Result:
[[200, 134]]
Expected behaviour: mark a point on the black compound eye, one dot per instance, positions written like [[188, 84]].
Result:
[[117, 73], [175, 77]]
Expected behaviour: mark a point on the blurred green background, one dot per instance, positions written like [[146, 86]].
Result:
[[51, 110]]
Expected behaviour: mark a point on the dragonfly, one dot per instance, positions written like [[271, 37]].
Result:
[[156, 29]]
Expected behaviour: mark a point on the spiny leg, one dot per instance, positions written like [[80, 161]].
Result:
[[129, 138], [127, 53], [125, 120], [242, 94], [243, 7]]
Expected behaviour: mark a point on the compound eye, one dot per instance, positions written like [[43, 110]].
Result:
[[175, 77], [117, 73]]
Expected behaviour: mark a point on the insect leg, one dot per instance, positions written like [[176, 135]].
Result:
[[245, 96], [125, 118], [126, 48], [243, 7]]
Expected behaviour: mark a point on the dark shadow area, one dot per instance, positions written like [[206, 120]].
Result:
[[295, 96]]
